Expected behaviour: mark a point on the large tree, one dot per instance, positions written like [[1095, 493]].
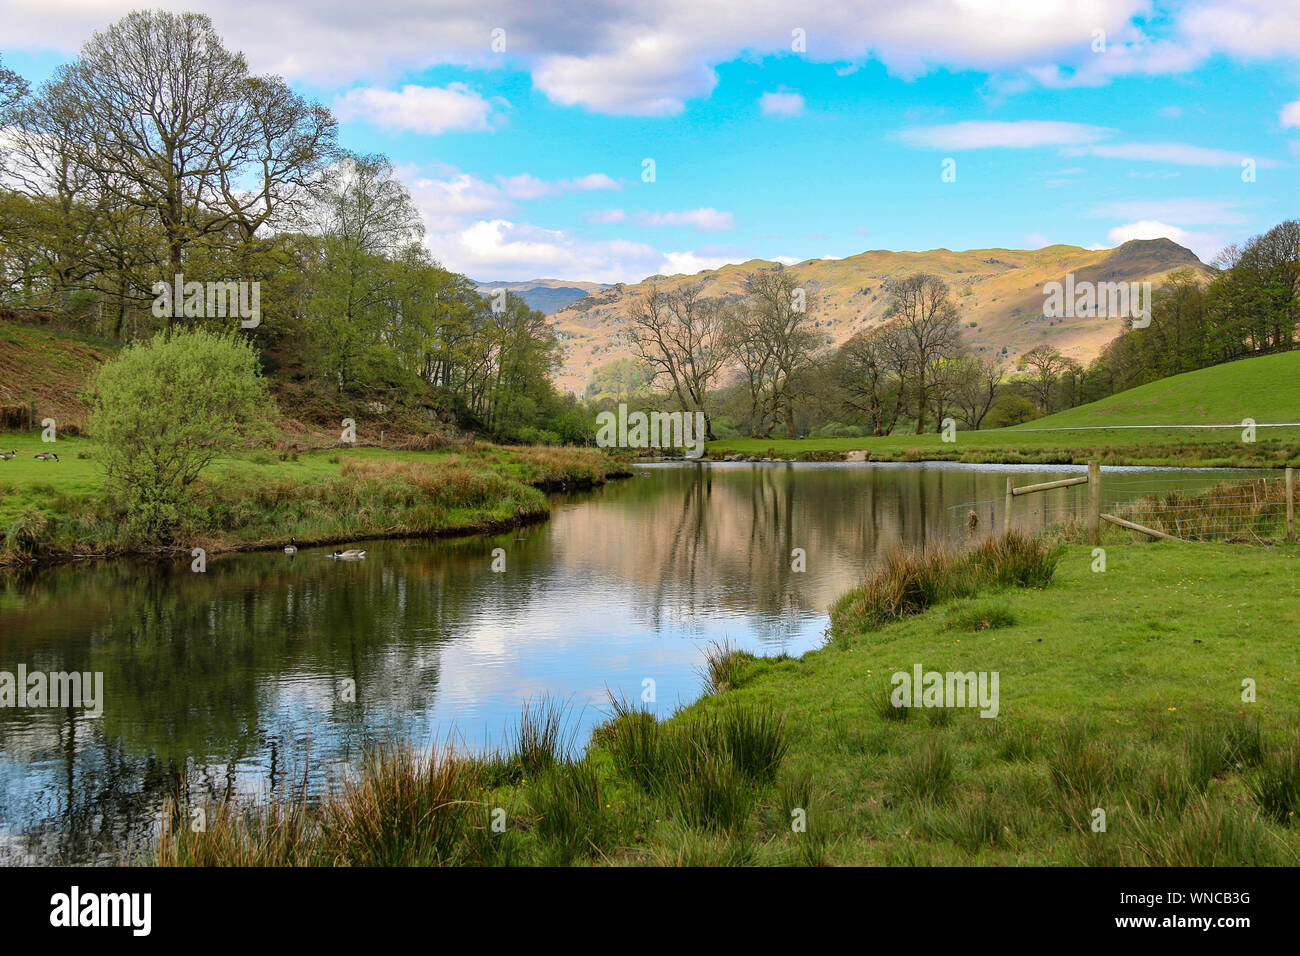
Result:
[[1044, 365], [167, 120], [683, 337], [779, 319], [928, 323], [13, 88], [978, 379], [870, 368]]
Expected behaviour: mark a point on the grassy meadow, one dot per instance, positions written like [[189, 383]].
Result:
[[1264, 389], [261, 498], [1120, 690]]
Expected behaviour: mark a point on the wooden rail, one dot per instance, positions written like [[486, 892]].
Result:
[[1134, 526], [1092, 479], [1049, 485], [1095, 515]]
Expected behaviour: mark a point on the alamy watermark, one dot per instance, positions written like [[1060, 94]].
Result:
[[56, 689], [1122, 300], [923, 688], [133, 911], [209, 300], [651, 430]]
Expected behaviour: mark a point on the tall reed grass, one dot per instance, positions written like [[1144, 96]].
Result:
[[911, 581]]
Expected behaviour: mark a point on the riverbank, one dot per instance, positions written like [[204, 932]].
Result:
[[1174, 448], [1119, 690], [60, 510]]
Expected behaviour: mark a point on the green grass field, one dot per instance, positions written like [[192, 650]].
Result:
[[1119, 691], [262, 497], [1265, 389]]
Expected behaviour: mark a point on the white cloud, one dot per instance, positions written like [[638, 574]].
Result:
[[643, 59], [508, 251], [419, 109], [513, 251], [1023, 134], [1193, 212], [526, 186], [649, 74], [1074, 139], [649, 60], [1036, 240], [471, 226], [781, 104], [1291, 114], [1250, 29], [1180, 154], [1206, 245], [705, 220], [689, 263], [454, 201]]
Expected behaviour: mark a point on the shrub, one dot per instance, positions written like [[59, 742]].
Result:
[[165, 409]]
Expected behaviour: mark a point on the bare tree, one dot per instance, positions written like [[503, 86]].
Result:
[[1044, 363], [13, 89], [781, 324], [870, 369], [979, 378], [750, 351], [686, 341], [928, 323], [291, 141]]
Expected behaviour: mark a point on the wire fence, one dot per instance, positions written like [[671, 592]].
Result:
[[1235, 509]]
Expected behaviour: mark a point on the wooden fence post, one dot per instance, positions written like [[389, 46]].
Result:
[[1290, 504], [1094, 503], [1006, 514]]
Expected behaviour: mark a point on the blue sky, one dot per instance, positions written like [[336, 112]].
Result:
[[528, 161]]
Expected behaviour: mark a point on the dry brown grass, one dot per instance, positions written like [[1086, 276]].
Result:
[[909, 581]]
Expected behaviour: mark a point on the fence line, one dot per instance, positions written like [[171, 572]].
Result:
[[1257, 508], [1088, 428]]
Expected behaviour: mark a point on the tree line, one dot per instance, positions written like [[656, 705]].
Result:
[[157, 153], [759, 359], [758, 362]]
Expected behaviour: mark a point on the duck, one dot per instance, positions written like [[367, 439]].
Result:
[[47, 456], [291, 547], [6, 455], [349, 555]]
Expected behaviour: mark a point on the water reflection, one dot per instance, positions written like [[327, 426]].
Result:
[[267, 671]]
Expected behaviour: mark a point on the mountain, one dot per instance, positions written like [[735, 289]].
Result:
[[545, 295], [999, 292]]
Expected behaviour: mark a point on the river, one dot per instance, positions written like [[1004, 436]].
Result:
[[269, 671]]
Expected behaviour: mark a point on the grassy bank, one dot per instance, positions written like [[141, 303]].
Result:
[[1184, 448], [1114, 430], [1119, 690], [51, 510]]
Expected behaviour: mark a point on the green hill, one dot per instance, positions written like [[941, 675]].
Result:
[[1266, 389]]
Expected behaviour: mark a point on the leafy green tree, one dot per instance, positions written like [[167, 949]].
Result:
[[166, 409]]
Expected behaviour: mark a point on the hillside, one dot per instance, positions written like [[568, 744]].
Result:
[[545, 295], [47, 372], [1000, 291], [1266, 389]]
